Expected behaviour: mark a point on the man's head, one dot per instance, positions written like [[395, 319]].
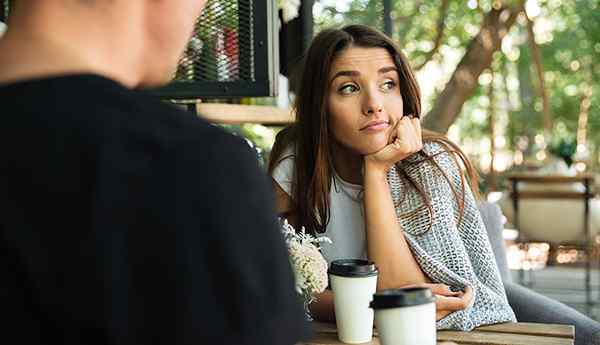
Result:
[[138, 42]]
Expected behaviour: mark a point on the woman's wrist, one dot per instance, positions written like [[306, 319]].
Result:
[[374, 170]]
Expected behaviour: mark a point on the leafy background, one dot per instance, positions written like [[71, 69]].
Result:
[[435, 34]]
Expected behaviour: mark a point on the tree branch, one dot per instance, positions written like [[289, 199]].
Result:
[[440, 33], [537, 61], [417, 5], [477, 58]]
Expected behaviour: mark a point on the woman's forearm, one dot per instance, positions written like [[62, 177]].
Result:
[[322, 309], [386, 244]]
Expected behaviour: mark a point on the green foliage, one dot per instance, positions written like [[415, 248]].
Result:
[[567, 33], [564, 148]]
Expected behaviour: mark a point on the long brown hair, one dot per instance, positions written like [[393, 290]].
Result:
[[310, 135]]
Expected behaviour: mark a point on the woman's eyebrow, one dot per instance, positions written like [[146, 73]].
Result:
[[351, 73], [387, 69], [345, 73]]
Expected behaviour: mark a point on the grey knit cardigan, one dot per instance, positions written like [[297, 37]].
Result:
[[450, 249]]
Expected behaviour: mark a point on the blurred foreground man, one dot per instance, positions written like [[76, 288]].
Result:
[[124, 220]]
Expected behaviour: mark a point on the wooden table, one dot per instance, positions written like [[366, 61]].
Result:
[[500, 334]]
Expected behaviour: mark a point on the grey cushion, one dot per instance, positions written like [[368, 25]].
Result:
[[492, 218], [530, 306]]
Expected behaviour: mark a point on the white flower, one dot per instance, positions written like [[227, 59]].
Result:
[[310, 268], [290, 9]]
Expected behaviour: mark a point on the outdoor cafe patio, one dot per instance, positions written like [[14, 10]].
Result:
[[511, 82]]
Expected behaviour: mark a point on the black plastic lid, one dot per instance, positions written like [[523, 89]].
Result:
[[397, 298], [353, 268]]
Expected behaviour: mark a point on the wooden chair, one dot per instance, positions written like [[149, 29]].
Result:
[[587, 180]]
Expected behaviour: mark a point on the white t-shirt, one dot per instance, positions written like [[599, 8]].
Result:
[[2, 28], [346, 227]]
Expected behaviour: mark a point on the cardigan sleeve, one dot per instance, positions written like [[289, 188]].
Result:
[[450, 246]]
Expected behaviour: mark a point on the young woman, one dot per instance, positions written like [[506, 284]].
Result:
[[357, 167]]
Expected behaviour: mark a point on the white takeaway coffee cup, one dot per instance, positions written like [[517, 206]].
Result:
[[353, 283], [405, 316]]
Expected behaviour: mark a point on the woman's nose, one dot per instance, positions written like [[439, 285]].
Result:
[[372, 105]]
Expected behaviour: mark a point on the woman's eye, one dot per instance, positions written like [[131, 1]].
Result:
[[348, 89], [389, 85]]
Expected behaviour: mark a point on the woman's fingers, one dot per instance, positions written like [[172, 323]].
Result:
[[437, 289], [394, 131], [468, 295], [446, 303], [408, 136], [413, 132], [417, 128], [444, 290], [404, 140], [446, 300], [454, 303]]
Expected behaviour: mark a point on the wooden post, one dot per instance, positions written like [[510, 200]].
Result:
[[306, 13], [3, 11], [387, 17], [492, 109], [589, 246], [515, 202], [294, 38]]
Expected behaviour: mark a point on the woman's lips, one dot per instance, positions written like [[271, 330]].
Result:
[[376, 127]]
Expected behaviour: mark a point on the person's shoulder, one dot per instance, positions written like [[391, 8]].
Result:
[[207, 143], [284, 164], [443, 151], [167, 123], [185, 127], [101, 110], [439, 151], [436, 147], [287, 156], [164, 126]]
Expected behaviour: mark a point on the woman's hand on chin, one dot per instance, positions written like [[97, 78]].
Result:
[[405, 140]]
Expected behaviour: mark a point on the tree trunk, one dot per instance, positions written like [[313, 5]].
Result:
[[582, 123], [477, 58]]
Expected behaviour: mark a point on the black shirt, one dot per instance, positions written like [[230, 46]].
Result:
[[124, 220]]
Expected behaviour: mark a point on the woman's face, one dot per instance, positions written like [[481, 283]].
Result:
[[364, 100]]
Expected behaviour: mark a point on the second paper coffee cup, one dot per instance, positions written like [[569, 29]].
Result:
[[405, 316], [353, 282]]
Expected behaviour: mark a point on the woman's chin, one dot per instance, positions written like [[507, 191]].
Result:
[[374, 148]]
